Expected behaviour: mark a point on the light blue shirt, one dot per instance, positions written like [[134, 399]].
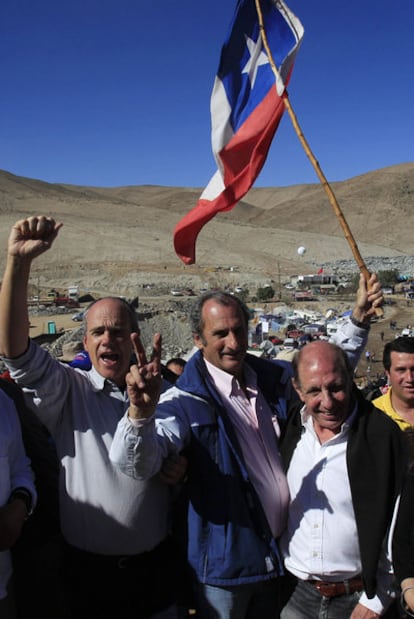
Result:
[[102, 510]]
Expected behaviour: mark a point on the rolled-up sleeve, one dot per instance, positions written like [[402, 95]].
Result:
[[352, 340], [140, 447]]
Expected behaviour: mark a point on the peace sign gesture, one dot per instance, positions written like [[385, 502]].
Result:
[[144, 379]]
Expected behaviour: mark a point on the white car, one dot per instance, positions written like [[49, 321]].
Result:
[[78, 317]]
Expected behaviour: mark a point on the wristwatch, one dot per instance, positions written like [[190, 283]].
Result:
[[24, 495]]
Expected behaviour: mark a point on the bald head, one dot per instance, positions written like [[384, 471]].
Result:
[[323, 381], [314, 353]]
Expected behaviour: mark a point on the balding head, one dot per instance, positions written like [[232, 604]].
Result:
[[323, 381], [314, 352]]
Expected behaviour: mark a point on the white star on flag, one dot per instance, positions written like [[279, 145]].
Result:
[[257, 58]]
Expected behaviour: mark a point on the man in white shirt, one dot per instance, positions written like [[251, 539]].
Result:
[[118, 557], [345, 463]]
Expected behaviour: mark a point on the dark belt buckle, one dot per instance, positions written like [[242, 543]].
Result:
[[329, 590], [122, 563]]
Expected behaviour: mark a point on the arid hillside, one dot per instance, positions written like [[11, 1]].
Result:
[[116, 239]]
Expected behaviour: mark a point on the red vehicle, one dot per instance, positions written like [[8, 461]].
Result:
[[294, 333]]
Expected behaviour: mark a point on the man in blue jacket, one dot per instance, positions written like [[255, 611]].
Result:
[[225, 413]]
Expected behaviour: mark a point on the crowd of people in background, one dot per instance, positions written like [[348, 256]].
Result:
[[224, 485]]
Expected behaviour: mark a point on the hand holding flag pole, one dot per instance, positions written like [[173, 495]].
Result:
[[327, 187]]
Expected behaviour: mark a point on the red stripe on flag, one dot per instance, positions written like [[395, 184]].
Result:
[[243, 158]]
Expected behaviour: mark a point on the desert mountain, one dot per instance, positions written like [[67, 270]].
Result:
[[114, 239]]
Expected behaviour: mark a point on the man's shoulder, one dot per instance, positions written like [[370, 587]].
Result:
[[374, 417], [380, 401], [9, 388], [271, 366]]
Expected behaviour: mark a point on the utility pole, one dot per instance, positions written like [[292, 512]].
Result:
[[278, 281]]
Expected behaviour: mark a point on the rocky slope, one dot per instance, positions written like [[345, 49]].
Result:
[[119, 239]]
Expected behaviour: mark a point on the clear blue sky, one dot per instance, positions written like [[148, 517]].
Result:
[[117, 92]]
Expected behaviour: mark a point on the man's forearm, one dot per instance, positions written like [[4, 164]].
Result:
[[14, 317]]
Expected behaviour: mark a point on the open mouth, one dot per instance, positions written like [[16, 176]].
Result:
[[109, 358]]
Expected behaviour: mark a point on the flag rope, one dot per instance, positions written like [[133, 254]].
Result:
[[327, 187]]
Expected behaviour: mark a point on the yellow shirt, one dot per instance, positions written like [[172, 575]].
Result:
[[384, 404]]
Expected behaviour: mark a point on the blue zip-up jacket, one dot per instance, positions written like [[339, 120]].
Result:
[[229, 540]]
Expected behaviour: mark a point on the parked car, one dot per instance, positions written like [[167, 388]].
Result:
[[78, 317]]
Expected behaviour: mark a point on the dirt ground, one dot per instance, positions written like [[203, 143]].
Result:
[[62, 322]]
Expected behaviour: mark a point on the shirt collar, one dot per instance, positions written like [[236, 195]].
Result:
[[100, 382], [227, 384]]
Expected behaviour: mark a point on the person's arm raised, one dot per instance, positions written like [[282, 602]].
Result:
[[28, 239]]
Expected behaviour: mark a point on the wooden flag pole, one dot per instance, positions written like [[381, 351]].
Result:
[[328, 189]]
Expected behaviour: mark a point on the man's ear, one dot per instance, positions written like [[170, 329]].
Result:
[[198, 341], [297, 389]]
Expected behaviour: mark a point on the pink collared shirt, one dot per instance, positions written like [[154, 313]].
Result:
[[257, 432]]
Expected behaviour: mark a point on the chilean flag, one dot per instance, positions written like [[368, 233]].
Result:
[[246, 108]]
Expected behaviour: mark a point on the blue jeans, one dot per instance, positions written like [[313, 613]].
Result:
[[307, 603], [251, 601]]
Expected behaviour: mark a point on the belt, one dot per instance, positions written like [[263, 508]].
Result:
[[343, 587], [119, 561]]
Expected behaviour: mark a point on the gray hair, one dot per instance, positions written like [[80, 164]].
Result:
[[130, 309], [221, 297]]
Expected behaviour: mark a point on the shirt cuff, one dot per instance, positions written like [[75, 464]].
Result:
[[357, 323], [139, 423]]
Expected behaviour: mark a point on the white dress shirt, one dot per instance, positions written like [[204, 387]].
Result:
[[321, 539], [102, 510]]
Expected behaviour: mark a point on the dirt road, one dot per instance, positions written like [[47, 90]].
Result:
[[43, 324]]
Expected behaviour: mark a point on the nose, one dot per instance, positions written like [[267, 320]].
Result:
[[231, 340], [106, 336], [409, 375], [326, 399]]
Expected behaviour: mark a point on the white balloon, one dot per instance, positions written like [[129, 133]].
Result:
[[301, 250]]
